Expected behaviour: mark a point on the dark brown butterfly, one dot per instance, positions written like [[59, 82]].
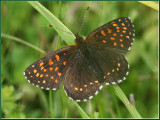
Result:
[[87, 65]]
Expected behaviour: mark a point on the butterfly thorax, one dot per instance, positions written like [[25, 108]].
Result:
[[81, 45]]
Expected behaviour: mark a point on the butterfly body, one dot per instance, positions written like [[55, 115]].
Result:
[[87, 65], [86, 52]]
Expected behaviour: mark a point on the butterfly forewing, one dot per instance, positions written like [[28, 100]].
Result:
[[48, 72], [80, 82], [118, 34]]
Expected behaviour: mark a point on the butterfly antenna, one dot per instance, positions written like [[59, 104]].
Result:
[[84, 18], [60, 29]]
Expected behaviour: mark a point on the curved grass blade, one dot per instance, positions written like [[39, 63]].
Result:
[[83, 114], [126, 102]]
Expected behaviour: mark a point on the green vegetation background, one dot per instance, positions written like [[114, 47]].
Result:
[[20, 99]]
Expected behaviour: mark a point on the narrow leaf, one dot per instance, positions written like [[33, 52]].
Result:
[[55, 22]]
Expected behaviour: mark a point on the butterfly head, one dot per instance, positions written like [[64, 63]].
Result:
[[78, 38]]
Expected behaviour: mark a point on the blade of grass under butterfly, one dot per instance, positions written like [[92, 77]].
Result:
[[83, 114], [55, 22], [132, 110]]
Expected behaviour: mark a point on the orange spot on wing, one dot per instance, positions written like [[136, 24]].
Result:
[[41, 75], [123, 24], [104, 41], [112, 38], [56, 81], [34, 70], [118, 30], [44, 81], [121, 40], [81, 89], [57, 57], [127, 37], [109, 30], [121, 35], [59, 74], [33, 65], [52, 77], [122, 45], [41, 64], [64, 63], [50, 62], [91, 83], [115, 43], [51, 68], [114, 34], [124, 28], [115, 25], [96, 81], [42, 68], [46, 75], [56, 69], [124, 31], [45, 70], [37, 74], [103, 33], [76, 88]]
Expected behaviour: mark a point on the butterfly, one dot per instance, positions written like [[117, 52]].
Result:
[[88, 65]]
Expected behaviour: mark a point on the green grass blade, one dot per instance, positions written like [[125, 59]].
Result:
[[151, 4], [83, 114], [68, 38], [51, 103], [22, 41], [124, 99]]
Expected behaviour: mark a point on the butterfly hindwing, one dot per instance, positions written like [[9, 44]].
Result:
[[80, 82], [113, 64], [118, 34], [48, 72]]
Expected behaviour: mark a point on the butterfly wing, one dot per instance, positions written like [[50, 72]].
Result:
[[113, 64], [80, 82], [118, 34], [48, 72]]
